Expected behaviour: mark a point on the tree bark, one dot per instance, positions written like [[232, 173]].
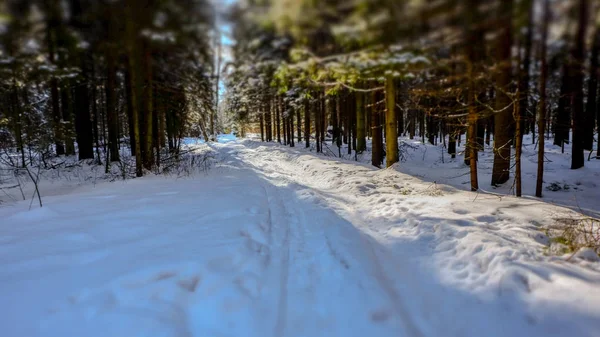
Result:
[[298, 125], [16, 121], [361, 141], [130, 123], [352, 115], [518, 146], [307, 122], [503, 119], [323, 106], [262, 127], [452, 143], [53, 12], [95, 114], [473, 51], [278, 112], [136, 80], [67, 113], [524, 73], [317, 110], [592, 103], [268, 120], [148, 109], [542, 112], [431, 132], [331, 101], [578, 55], [83, 123], [391, 124], [561, 122], [377, 139], [290, 139], [111, 109]]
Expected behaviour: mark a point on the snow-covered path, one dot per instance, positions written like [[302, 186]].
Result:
[[277, 242]]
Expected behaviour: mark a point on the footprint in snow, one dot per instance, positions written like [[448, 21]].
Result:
[[486, 219], [163, 276], [380, 316], [189, 284]]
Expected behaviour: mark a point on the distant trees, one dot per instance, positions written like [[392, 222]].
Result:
[[81, 74], [441, 70]]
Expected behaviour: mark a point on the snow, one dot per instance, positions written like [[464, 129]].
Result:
[[282, 242], [577, 189]]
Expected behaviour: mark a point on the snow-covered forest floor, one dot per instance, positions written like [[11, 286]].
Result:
[[273, 241], [577, 189]]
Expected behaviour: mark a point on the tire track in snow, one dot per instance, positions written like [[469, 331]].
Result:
[[274, 196], [278, 235], [380, 275]]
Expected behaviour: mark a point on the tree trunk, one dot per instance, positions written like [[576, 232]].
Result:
[[489, 126], [307, 122], [130, 123], [391, 124], [334, 119], [53, 12], [83, 123], [317, 110], [278, 112], [67, 113], [136, 80], [298, 125], [17, 115], [148, 101], [452, 143], [285, 130], [161, 115], [431, 132], [422, 125], [57, 118], [518, 145], [471, 145], [111, 109], [361, 141], [542, 112], [346, 121], [562, 119], [578, 55], [524, 73], [338, 113], [324, 122], [377, 139], [367, 103], [411, 124], [592, 103], [95, 113], [473, 51], [291, 130], [262, 127], [155, 126], [268, 120], [503, 119], [352, 116]]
